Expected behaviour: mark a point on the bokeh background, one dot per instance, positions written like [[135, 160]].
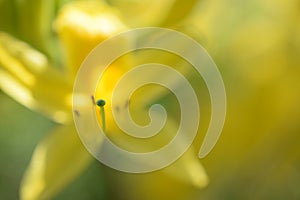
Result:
[[255, 44]]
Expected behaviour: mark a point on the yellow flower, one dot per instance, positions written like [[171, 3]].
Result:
[[28, 76]]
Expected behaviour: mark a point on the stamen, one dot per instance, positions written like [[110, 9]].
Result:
[[93, 100], [126, 103], [77, 113]]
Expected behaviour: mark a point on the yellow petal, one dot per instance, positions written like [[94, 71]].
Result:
[[153, 12], [81, 26], [189, 169], [179, 11], [143, 13], [56, 161], [27, 77]]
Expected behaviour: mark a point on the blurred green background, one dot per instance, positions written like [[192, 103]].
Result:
[[256, 45]]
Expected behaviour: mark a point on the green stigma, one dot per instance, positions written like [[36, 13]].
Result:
[[100, 103]]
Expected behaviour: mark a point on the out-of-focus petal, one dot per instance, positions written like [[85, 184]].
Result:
[[179, 11], [27, 77], [153, 12], [189, 169], [143, 13], [83, 25], [57, 160]]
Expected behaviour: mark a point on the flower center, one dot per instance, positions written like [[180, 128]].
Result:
[[103, 97]]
